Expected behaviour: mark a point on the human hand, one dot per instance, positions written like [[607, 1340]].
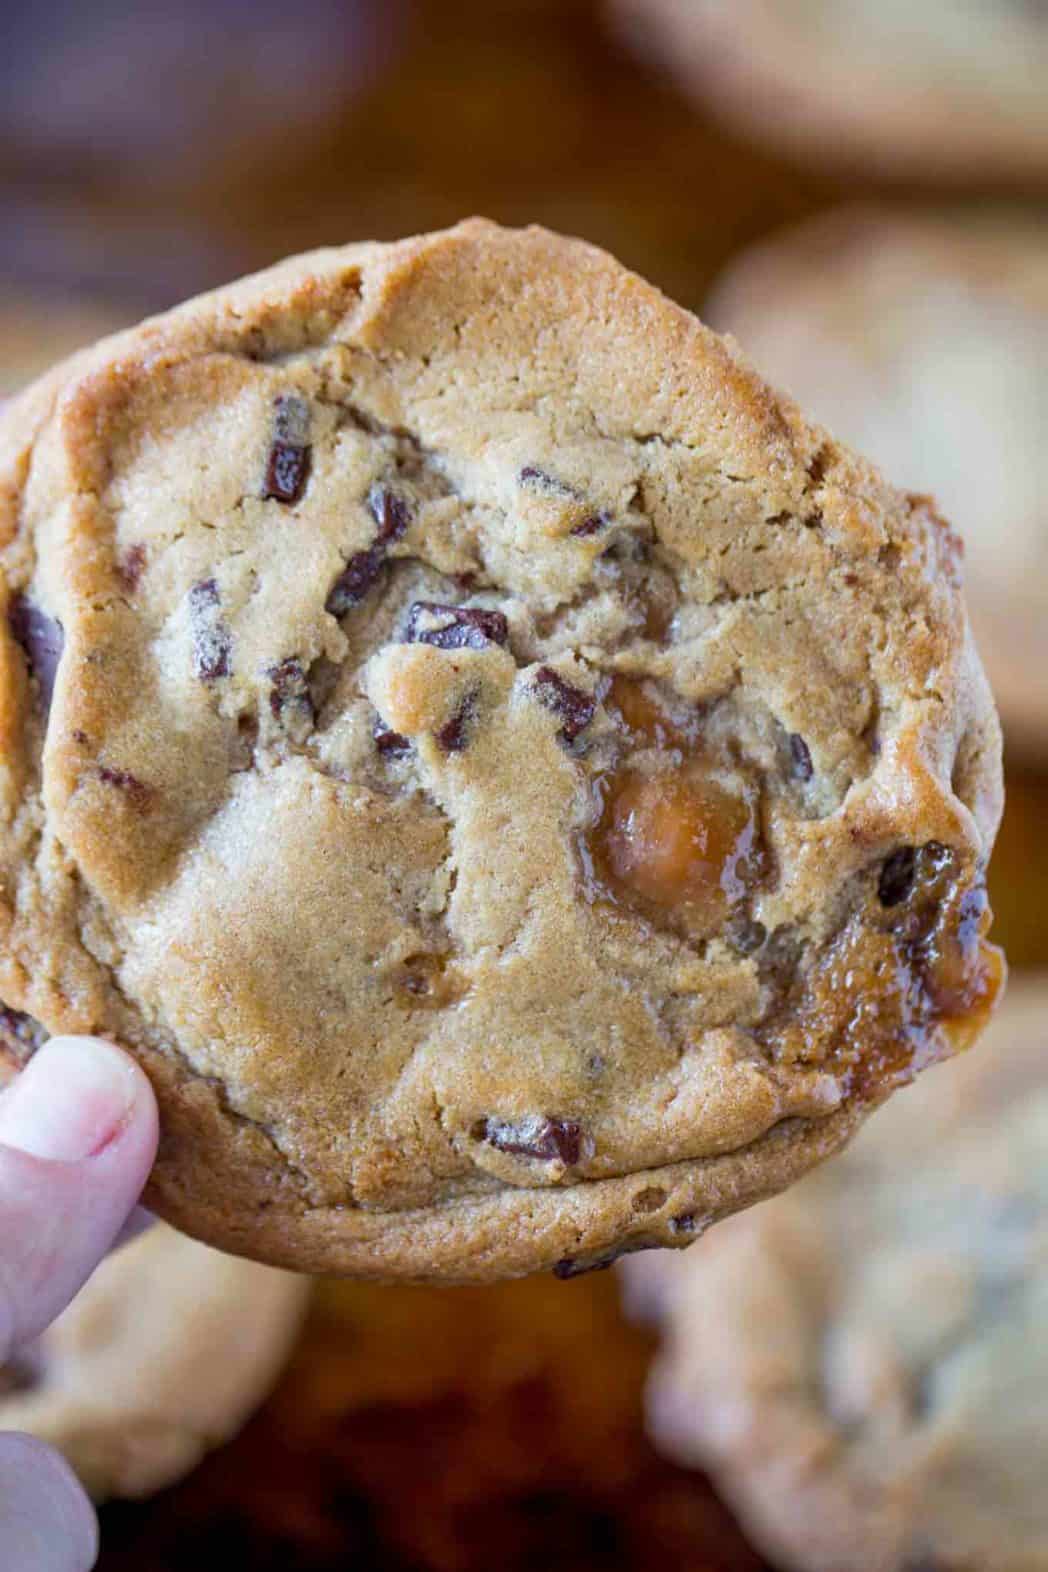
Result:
[[78, 1132]]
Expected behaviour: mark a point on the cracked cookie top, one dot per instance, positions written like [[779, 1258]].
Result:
[[519, 789], [862, 1363]]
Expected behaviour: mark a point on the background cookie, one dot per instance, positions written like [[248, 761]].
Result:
[[162, 1356], [489, 758], [862, 1364], [942, 88], [924, 340], [37, 329]]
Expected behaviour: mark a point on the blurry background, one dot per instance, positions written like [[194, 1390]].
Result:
[[147, 152]]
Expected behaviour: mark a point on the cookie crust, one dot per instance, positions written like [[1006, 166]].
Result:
[[347, 561]]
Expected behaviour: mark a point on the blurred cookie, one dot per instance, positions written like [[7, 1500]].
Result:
[[519, 789], [38, 329], [924, 341], [162, 1356], [862, 1364], [942, 88]]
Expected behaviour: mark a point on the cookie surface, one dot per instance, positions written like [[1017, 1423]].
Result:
[[519, 790], [161, 1357], [924, 341], [861, 1364], [945, 89]]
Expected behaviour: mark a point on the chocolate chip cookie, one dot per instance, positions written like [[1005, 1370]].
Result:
[[944, 89], [862, 1364], [924, 340], [161, 1357], [519, 789]]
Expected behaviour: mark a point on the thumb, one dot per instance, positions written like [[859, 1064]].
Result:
[[78, 1132]]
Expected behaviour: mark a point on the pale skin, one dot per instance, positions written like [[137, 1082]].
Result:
[[78, 1132]]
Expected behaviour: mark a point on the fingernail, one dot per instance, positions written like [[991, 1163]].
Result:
[[73, 1097]]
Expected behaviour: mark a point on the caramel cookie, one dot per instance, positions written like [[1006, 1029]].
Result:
[[943, 89], [519, 789], [161, 1357], [924, 340], [862, 1364]]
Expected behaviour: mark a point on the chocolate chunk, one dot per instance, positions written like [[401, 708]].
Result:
[[392, 515], [592, 525], [131, 566], [287, 471], [290, 701], [41, 640], [685, 1223], [390, 743], [20, 1036], [356, 578], [550, 1140], [137, 792], [575, 707], [212, 643], [800, 757], [390, 512], [535, 479], [897, 876], [746, 934], [453, 737], [579, 1266], [204, 595], [454, 627], [567, 1268], [290, 456]]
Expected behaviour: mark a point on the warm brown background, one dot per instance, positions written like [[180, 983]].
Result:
[[424, 1429]]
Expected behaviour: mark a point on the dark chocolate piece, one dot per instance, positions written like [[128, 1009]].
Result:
[[454, 627], [392, 515], [390, 743], [897, 876], [575, 707], [290, 701], [290, 456], [41, 639], [800, 757], [550, 1140], [212, 643]]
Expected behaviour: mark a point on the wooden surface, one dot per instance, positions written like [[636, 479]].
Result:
[[431, 1429]]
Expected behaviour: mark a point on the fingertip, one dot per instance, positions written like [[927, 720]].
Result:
[[76, 1097], [48, 1523], [78, 1136]]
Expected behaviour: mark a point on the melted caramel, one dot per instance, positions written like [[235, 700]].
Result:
[[674, 845], [986, 980], [675, 841], [895, 993], [645, 720]]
